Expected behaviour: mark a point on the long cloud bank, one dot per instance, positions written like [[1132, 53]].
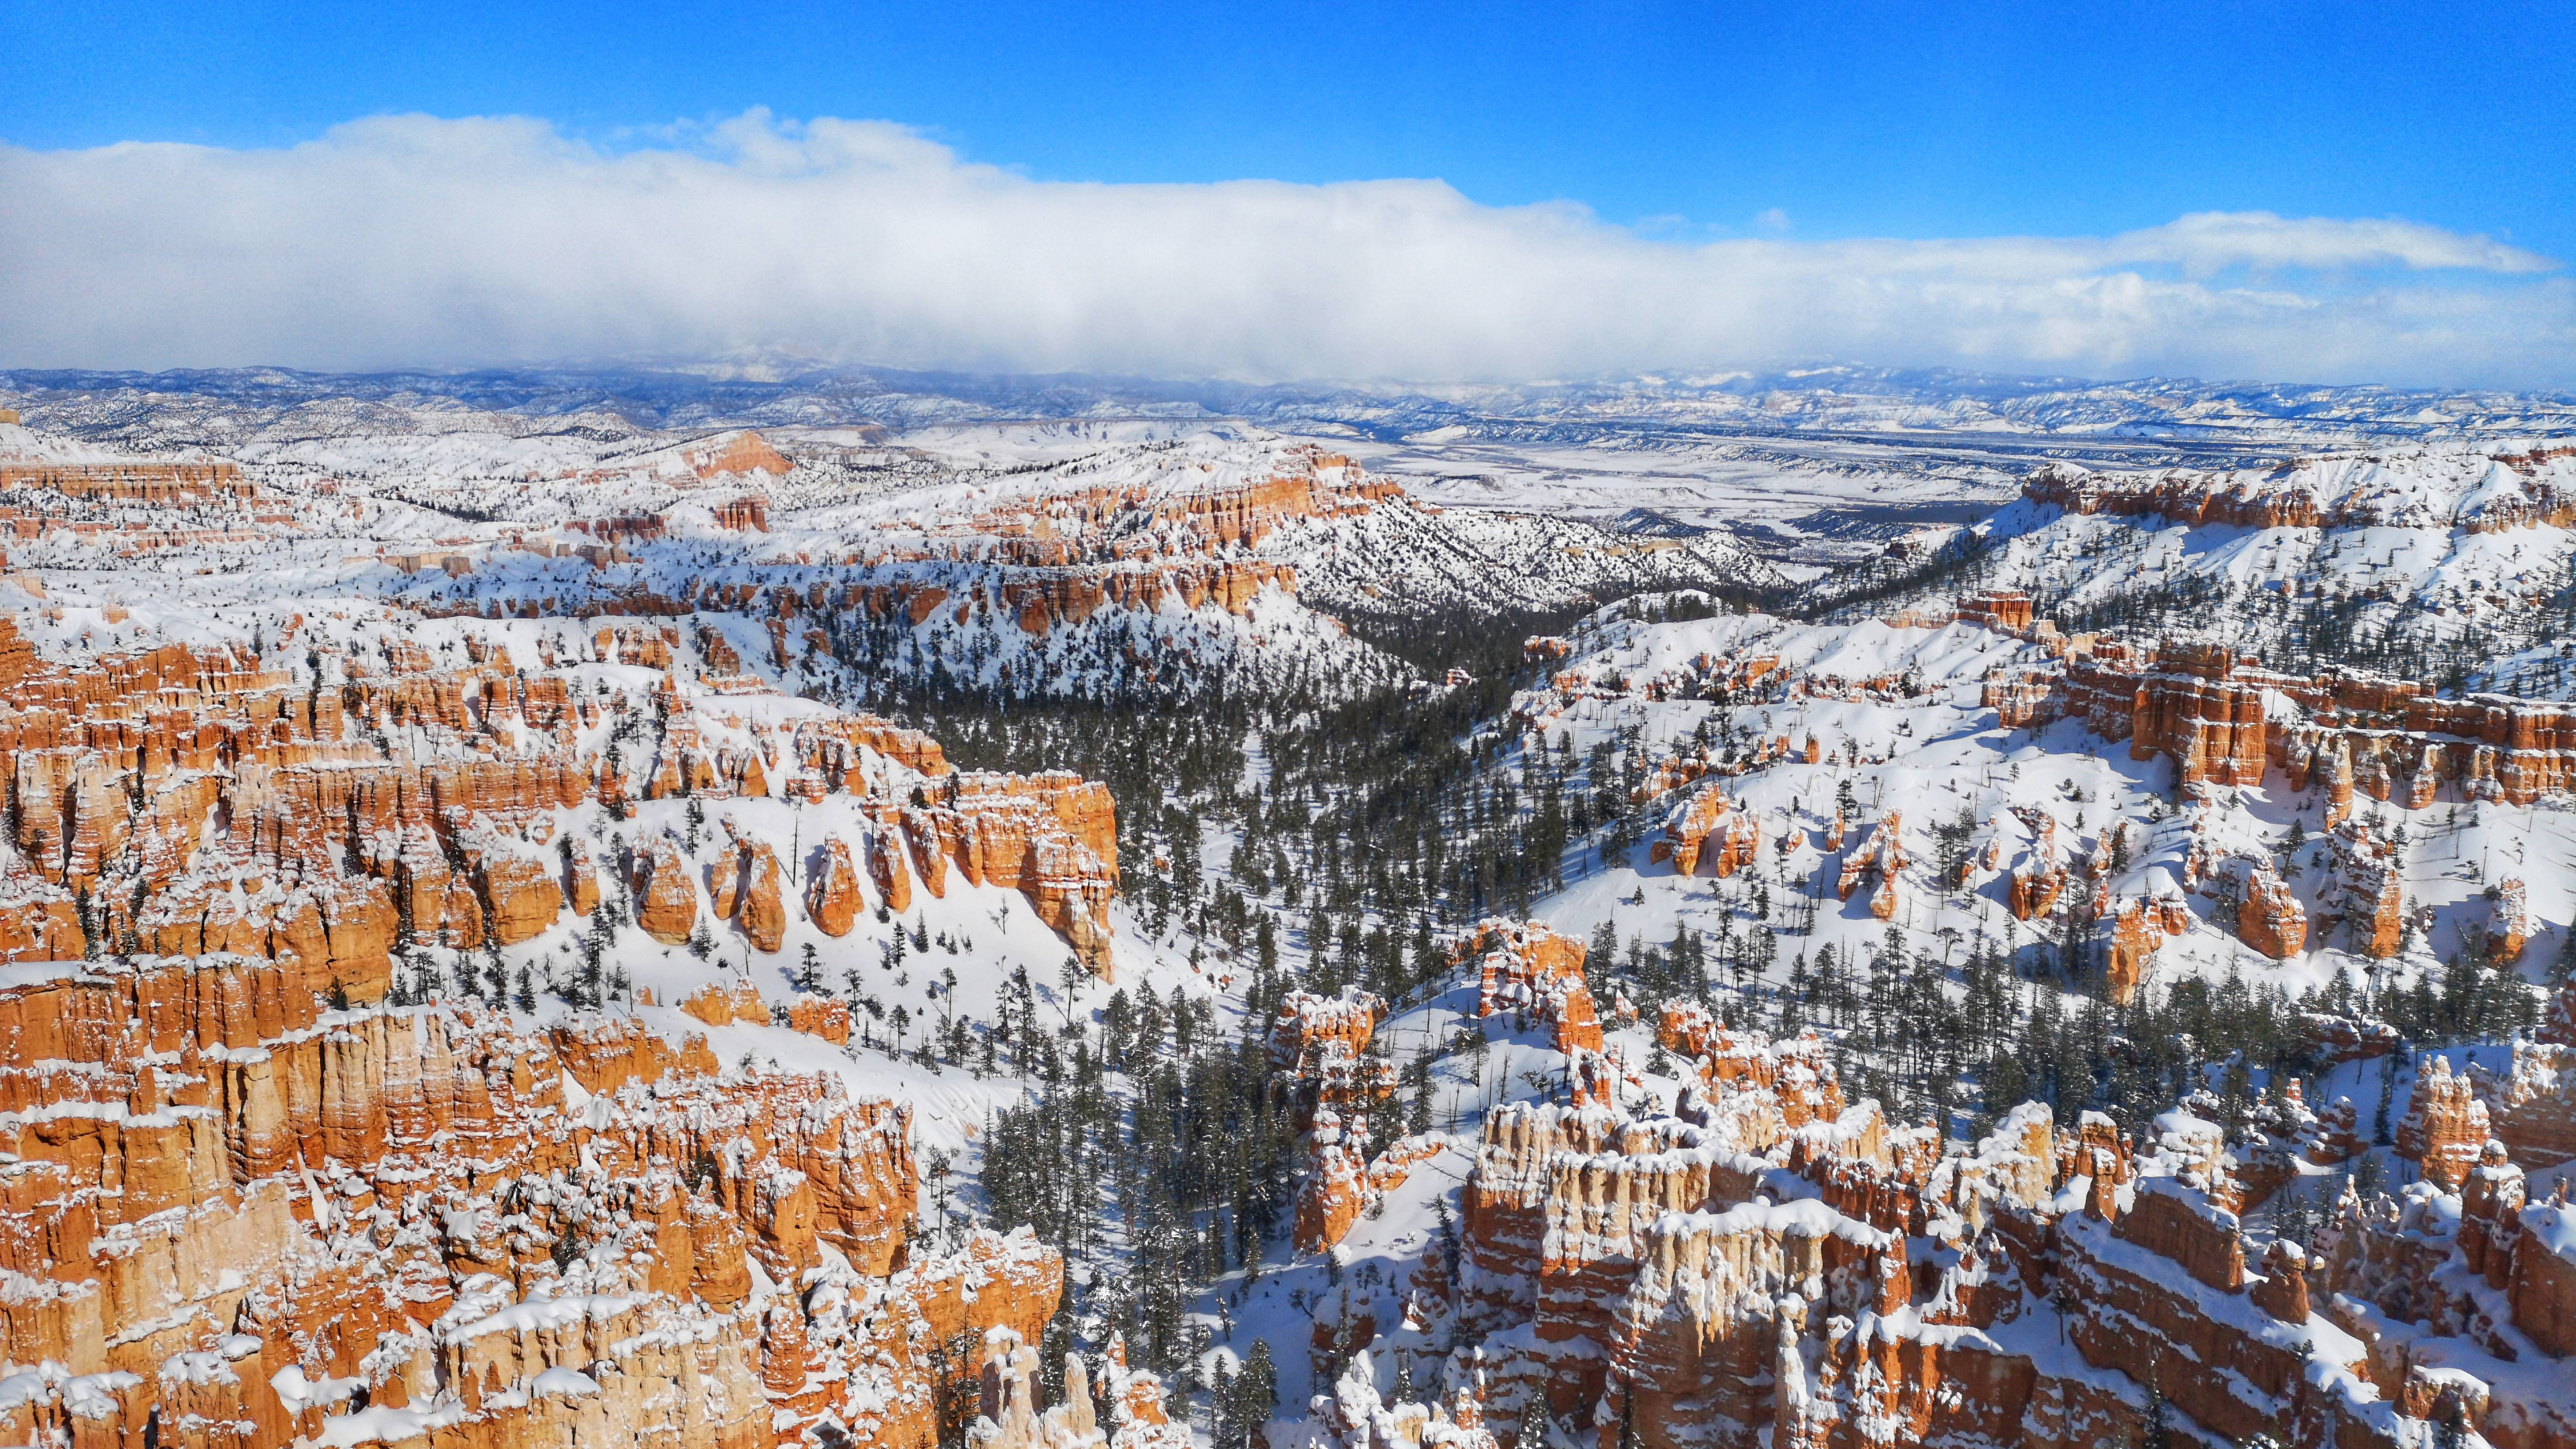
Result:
[[414, 240]]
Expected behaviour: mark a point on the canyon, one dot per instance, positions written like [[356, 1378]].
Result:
[[487, 958]]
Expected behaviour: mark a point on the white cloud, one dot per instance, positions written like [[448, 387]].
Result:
[[408, 239]]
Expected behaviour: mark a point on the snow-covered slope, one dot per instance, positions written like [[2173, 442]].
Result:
[[2451, 561], [1907, 746]]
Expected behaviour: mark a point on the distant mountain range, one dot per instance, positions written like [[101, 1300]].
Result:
[[1996, 418]]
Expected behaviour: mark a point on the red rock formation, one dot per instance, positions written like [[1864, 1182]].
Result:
[[1335, 1189], [1528, 967], [2213, 727], [2207, 709], [666, 901], [724, 1005], [604, 1054], [2532, 1105], [2511, 926], [1883, 854], [133, 481], [762, 914], [2134, 938], [885, 867], [322, 844], [1706, 826], [2005, 610], [2445, 1124], [2271, 920], [824, 1016], [1723, 1277], [1319, 1051], [523, 896], [734, 454], [1052, 837], [274, 1295], [581, 878], [2188, 500], [749, 513], [1306, 1021], [832, 899]]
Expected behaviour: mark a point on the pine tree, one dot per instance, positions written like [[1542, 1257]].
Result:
[[1256, 1389], [2379, 1134], [2158, 1433], [1534, 1423]]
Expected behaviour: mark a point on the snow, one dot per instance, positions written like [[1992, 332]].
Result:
[[563, 1383], [1938, 756], [1494, 518], [2552, 1228]]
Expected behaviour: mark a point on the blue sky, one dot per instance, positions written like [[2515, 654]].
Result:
[[1673, 124], [1913, 121]]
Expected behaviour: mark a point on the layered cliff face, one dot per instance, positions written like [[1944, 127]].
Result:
[[1751, 1269], [2223, 720], [267, 1177], [251, 1216], [2480, 490], [1148, 569], [187, 801]]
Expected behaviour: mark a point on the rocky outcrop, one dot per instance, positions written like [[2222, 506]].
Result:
[[1707, 827], [724, 1005], [1307, 1022], [581, 878], [2445, 1124], [209, 806], [762, 914], [825, 1016], [2189, 499], [832, 898], [1052, 837], [1881, 855], [2131, 947], [1335, 1188], [2223, 719], [1129, 1412], [2005, 610], [2138, 928], [169, 484], [523, 897], [666, 900], [243, 1208], [1320, 1057], [1528, 967], [1751, 1269], [2271, 920], [2510, 927], [2038, 870], [2531, 1105], [2366, 889], [2191, 709]]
